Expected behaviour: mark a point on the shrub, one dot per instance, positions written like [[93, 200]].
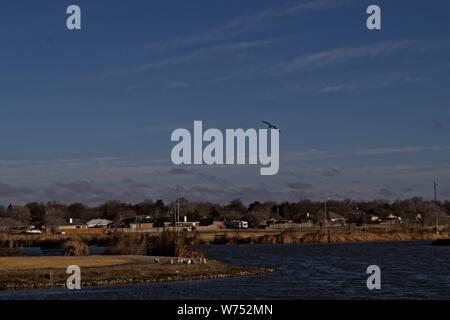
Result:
[[75, 248], [168, 243], [127, 244]]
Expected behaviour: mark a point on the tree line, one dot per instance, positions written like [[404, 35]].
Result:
[[55, 213]]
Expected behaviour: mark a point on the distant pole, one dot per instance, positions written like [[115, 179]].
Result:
[[177, 213], [325, 216], [435, 207]]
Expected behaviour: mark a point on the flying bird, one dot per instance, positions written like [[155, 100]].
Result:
[[271, 126]]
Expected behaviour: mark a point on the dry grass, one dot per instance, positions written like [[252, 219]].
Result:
[[359, 236], [43, 240], [32, 263], [333, 236], [169, 244], [128, 244], [9, 252]]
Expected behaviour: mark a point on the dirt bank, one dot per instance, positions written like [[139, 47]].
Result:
[[50, 272]]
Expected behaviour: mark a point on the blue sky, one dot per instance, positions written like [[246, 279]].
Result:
[[87, 115]]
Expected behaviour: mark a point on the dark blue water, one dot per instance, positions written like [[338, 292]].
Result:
[[56, 251], [409, 270]]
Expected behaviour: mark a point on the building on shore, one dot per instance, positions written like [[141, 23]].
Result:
[[335, 220]]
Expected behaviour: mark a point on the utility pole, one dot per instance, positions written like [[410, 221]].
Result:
[[178, 209], [435, 207], [325, 216]]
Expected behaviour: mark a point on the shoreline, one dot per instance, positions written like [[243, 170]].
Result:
[[28, 273]]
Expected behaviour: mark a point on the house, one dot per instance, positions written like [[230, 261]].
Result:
[[304, 220], [72, 226], [79, 229], [392, 219], [72, 229], [142, 226], [139, 223], [95, 226], [335, 219], [280, 224], [98, 223]]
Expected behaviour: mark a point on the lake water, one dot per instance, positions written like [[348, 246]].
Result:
[[409, 270], [56, 251]]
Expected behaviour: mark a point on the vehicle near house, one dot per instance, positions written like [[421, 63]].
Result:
[[33, 231], [237, 224]]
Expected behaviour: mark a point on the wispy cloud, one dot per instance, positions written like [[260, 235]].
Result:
[[382, 151], [299, 185], [250, 22], [179, 84], [196, 55], [316, 154], [341, 55], [339, 88], [387, 81], [290, 156]]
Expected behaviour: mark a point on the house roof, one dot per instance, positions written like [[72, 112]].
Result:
[[98, 222], [333, 215]]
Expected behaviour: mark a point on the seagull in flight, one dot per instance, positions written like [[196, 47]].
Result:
[[271, 126]]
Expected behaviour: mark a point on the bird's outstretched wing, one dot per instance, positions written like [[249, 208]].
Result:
[[271, 126]]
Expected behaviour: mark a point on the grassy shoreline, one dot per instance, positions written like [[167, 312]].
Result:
[[26, 273], [288, 236]]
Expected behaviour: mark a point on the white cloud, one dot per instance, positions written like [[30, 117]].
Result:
[[340, 55]]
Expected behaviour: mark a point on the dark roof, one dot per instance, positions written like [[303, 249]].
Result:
[[333, 215]]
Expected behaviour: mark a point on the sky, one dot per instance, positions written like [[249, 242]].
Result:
[[87, 115]]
